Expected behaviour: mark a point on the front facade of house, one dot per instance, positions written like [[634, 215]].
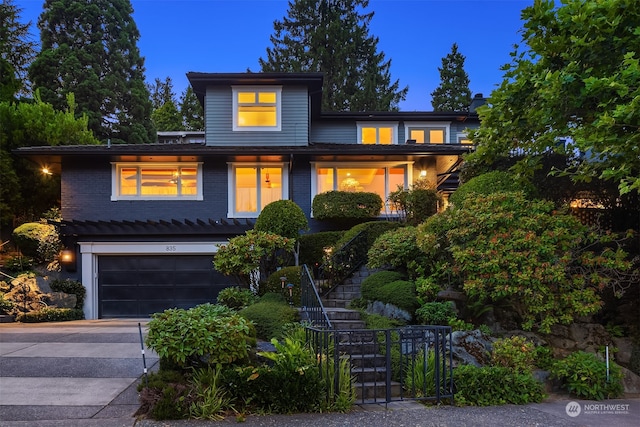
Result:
[[144, 221]]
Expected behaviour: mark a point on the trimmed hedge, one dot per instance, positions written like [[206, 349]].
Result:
[[282, 217], [489, 183], [312, 246], [373, 283], [274, 284], [374, 229], [37, 240], [269, 316], [495, 385], [51, 315], [346, 205]]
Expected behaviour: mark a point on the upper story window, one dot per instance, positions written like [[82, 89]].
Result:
[[253, 186], [147, 181], [256, 108], [377, 133], [428, 133], [464, 139]]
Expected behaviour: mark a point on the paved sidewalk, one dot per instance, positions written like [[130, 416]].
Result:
[[85, 373]]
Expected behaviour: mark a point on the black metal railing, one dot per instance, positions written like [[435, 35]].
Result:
[[343, 262], [312, 308], [387, 365]]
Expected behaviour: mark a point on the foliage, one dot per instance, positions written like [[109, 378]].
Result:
[[70, 286], [585, 375], [372, 229], [420, 374], [417, 203], [165, 114], [191, 110], [572, 89], [489, 183], [203, 335], [209, 399], [371, 285], [400, 293], [282, 217], [274, 284], [5, 305], [435, 313], [543, 357], [50, 314], [515, 352], [253, 250], [504, 247], [377, 321], [107, 78], [236, 298], [269, 317], [495, 385], [17, 50], [397, 249], [18, 263], [312, 246], [345, 205], [333, 38], [453, 93], [37, 240], [165, 395]]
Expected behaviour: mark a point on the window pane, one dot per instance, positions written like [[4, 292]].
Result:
[[267, 97], [369, 136], [128, 181], [385, 135], [246, 97], [270, 186], [257, 116], [417, 135], [246, 192], [325, 180], [436, 136], [159, 182], [188, 180]]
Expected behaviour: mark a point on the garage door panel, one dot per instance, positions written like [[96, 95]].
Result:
[[137, 286]]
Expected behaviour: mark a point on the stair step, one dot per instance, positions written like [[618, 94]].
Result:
[[368, 361], [337, 313], [376, 390], [348, 324], [369, 375], [335, 303]]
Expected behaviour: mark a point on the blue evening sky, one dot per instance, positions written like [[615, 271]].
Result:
[[178, 36]]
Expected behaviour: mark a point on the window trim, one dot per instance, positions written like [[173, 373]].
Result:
[[429, 125], [393, 125], [408, 178], [278, 91], [116, 168], [231, 187], [463, 135]]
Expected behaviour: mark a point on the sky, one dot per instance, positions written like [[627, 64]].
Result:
[[224, 36]]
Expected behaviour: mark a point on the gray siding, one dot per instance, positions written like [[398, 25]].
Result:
[[335, 132], [219, 120]]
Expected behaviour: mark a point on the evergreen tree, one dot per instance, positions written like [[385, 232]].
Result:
[[191, 110], [17, 50], [165, 115], [89, 49], [332, 36], [453, 94]]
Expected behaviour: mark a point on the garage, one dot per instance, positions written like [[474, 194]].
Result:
[[131, 286]]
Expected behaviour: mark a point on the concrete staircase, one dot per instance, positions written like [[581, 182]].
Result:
[[368, 365]]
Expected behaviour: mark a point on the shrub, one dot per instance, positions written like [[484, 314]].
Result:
[[401, 293], [69, 286], [5, 305], [515, 352], [489, 183], [236, 298], [51, 315], [203, 335], [420, 374], [163, 396], [373, 230], [495, 385], [38, 241], [417, 203], [312, 246], [397, 249], [346, 205], [269, 317], [274, 284], [436, 313], [282, 217], [208, 400], [19, 263], [371, 284], [585, 375]]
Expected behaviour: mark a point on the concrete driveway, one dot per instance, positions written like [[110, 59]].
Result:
[[79, 373]]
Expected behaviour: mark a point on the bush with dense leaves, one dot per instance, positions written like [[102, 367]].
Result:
[[417, 203], [514, 352], [489, 183], [495, 385], [282, 217], [51, 314], [312, 246], [371, 284], [236, 298], [436, 313], [585, 376], [346, 205], [372, 229], [203, 335], [37, 240], [269, 315], [274, 284], [69, 286], [397, 249]]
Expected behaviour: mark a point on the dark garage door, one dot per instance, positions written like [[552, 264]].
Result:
[[139, 285]]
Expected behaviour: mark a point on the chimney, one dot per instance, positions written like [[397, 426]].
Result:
[[477, 101]]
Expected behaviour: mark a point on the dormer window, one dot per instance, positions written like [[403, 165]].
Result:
[[378, 133], [256, 108], [428, 133]]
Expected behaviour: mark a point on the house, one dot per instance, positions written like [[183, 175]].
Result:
[[143, 221]]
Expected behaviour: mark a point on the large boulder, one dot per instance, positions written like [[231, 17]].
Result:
[[471, 348]]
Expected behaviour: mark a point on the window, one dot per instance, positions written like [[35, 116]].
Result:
[[256, 108], [428, 133], [463, 139], [148, 181], [377, 133], [253, 186], [380, 178]]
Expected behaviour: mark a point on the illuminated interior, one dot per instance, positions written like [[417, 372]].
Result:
[[160, 181], [257, 109], [429, 136], [256, 187], [377, 135]]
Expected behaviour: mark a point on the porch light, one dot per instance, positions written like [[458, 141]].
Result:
[[45, 170], [423, 173], [68, 259]]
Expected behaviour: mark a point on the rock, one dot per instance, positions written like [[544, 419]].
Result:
[[471, 348], [388, 310], [630, 381], [451, 295], [625, 348], [59, 300], [589, 337]]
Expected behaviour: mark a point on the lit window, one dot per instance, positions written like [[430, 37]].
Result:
[[256, 108], [157, 181], [255, 186], [380, 179], [463, 139], [428, 133], [379, 133]]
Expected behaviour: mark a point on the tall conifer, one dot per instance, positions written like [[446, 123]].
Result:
[[453, 94]]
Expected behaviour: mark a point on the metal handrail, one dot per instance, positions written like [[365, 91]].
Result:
[[344, 261], [312, 306]]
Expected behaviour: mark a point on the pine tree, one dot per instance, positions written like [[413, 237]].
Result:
[[453, 94], [332, 36], [89, 49], [191, 110], [17, 50], [165, 115]]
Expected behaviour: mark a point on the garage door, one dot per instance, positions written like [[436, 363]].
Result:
[[139, 285]]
